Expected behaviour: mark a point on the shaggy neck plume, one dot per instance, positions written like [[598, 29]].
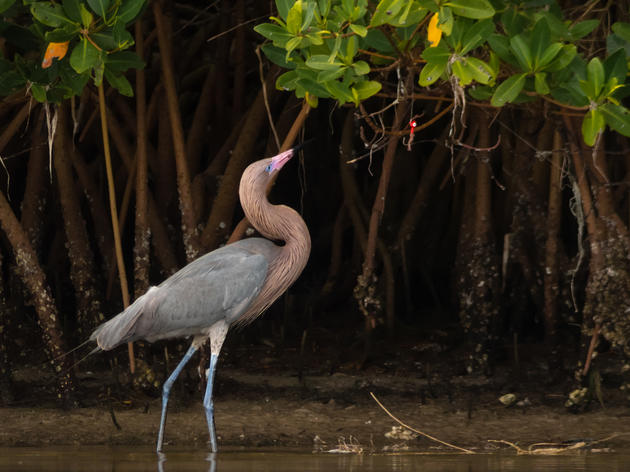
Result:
[[276, 222]]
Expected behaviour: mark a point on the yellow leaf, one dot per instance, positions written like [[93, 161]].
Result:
[[54, 50], [311, 99], [434, 34]]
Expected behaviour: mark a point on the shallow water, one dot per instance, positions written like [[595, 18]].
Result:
[[121, 459]]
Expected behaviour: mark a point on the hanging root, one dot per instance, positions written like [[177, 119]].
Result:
[[575, 206]]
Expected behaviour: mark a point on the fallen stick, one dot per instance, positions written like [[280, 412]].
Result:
[[536, 449], [467, 451]]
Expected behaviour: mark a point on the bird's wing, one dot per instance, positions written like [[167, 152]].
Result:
[[218, 285]]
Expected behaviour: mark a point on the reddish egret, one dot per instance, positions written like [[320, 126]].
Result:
[[233, 284]]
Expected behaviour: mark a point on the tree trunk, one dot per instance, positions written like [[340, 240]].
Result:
[[597, 279], [358, 216], [100, 215], [36, 190], [554, 214], [199, 126], [221, 91], [188, 221], [141, 248], [6, 381], [336, 254], [365, 290], [164, 252], [378, 208], [480, 296], [415, 210], [12, 128], [34, 279], [238, 91], [607, 300], [165, 183], [427, 181], [82, 270], [525, 254]]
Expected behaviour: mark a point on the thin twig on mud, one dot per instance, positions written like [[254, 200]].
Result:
[[467, 451], [113, 416], [111, 412], [536, 449]]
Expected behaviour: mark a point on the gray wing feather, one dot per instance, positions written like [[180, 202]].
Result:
[[218, 285], [113, 332]]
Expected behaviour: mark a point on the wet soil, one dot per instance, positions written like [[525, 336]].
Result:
[[260, 402]]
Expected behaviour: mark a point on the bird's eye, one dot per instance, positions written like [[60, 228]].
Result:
[[269, 168]]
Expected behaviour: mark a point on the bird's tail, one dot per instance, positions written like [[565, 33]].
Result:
[[120, 328], [72, 366], [78, 346], [93, 351]]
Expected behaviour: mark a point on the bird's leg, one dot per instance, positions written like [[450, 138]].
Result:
[[218, 331], [208, 404], [166, 390]]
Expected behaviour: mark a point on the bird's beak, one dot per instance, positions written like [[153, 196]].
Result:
[[277, 162]]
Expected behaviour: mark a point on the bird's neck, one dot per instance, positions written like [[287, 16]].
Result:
[[279, 223], [282, 223], [275, 222]]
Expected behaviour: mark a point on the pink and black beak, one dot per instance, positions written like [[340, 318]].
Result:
[[278, 161]]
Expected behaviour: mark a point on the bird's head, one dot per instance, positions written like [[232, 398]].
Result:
[[275, 163], [260, 175]]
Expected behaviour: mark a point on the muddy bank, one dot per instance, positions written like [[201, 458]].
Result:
[[319, 411]]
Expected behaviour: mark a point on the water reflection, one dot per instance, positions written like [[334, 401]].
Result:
[[140, 459], [211, 458]]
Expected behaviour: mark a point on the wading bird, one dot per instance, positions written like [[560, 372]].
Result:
[[233, 284]]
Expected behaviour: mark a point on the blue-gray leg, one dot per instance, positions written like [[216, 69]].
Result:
[[166, 390], [208, 404]]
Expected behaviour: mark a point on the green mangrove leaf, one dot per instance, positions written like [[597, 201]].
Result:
[[275, 33], [617, 117], [592, 125], [522, 52], [72, 9], [385, 11], [99, 7], [595, 75], [129, 10], [540, 83], [366, 88], [122, 61], [430, 73], [84, 56], [50, 14], [582, 28], [540, 42], [475, 9], [481, 72], [294, 18], [359, 29], [508, 90], [119, 82]]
